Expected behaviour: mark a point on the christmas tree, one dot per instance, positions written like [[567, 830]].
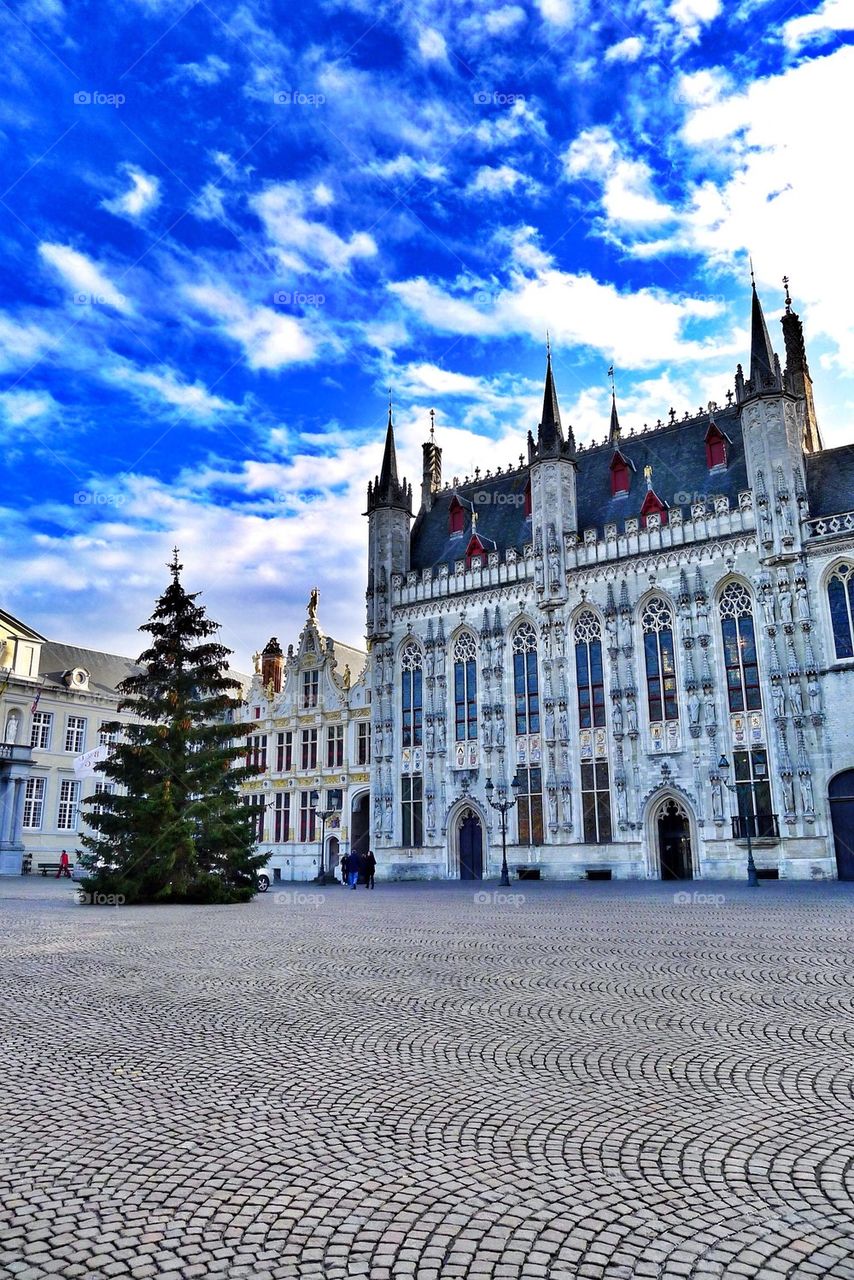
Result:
[[174, 827]]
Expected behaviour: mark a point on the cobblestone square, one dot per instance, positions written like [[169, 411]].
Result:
[[430, 1081]]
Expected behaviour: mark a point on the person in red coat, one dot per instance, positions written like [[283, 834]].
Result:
[[64, 868]]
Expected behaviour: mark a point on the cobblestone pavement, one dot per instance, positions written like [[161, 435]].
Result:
[[430, 1081]]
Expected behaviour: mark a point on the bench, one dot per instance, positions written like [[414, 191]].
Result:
[[53, 867], [598, 873], [528, 873]]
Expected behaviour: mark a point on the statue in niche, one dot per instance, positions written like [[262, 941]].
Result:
[[13, 725], [563, 726], [499, 731], [431, 814], [717, 801], [632, 715], [814, 691], [552, 807], [550, 724], [789, 793], [796, 697], [785, 595], [428, 662], [803, 602], [805, 783], [611, 631], [768, 605], [440, 728], [709, 709], [702, 615], [431, 736], [539, 574], [554, 565], [622, 806], [388, 823], [617, 717], [693, 707], [440, 660], [778, 697]]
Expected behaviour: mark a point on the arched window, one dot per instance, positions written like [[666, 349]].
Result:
[[465, 687], [742, 667], [412, 705], [595, 781], [657, 626], [526, 686], [588, 670], [840, 597]]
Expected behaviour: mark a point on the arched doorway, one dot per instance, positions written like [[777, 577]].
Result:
[[332, 855], [470, 845], [360, 819], [673, 831], [841, 796]]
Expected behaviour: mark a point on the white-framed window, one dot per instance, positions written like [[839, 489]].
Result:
[[335, 746], [69, 804], [310, 683], [41, 730], [75, 734], [102, 789], [107, 738], [34, 803], [363, 742]]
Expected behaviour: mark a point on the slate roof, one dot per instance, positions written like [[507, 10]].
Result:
[[677, 455], [830, 481], [106, 670], [345, 655]]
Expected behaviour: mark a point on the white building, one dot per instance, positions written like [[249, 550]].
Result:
[[55, 699], [311, 739], [606, 623]]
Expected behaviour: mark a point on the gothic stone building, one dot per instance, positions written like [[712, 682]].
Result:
[[311, 740], [604, 624]]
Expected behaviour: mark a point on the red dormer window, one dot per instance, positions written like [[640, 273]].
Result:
[[456, 516], [652, 505], [716, 443], [620, 475], [527, 499], [474, 548]]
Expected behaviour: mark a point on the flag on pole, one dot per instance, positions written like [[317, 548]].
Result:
[[36, 701]]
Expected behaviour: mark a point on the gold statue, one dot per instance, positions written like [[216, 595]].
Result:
[[312, 604], [346, 677]]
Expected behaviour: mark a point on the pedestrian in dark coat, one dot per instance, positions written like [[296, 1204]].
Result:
[[353, 867], [370, 865], [345, 867]]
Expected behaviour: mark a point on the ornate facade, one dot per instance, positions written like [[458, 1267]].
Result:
[[311, 742], [606, 626]]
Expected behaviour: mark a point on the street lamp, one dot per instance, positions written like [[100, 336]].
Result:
[[503, 806], [723, 770], [323, 815]]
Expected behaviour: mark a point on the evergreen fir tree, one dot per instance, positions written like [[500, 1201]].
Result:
[[175, 829]]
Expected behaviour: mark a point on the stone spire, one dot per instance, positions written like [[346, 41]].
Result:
[[797, 377], [614, 428], [388, 490], [764, 365], [550, 439]]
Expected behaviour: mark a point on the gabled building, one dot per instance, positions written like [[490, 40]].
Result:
[[311, 719], [608, 625], [54, 700]]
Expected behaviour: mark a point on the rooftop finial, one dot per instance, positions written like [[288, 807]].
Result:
[[613, 382], [752, 276], [173, 564], [389, 404], [432, 426], [788, 295], [548, 344]]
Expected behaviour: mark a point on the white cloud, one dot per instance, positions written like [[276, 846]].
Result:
[[495, 181], [692, 15], [269, 339], [628, 50], [86, 278], [407, 167], [210, 203], [834, 15], [432, 46], [21, 342], [499, 22], [20, 407], [302, 243], [627, 195], [323, 195], [559, 13], [211, 71], [144, 194], [193, 398]]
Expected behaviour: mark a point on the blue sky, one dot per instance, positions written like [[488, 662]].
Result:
[[228, 229]]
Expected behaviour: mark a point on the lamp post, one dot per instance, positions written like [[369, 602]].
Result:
[[503, 806], [723, 770], [323, 815]]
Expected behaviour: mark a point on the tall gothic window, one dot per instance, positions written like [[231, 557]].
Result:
[[412, 802], [465, 687], [590, 681], [742, 667], [526, 687], [529, 808], [660, 665], [595, 775], [412, 697], [840, 597]]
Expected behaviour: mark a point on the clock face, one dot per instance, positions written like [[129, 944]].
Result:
[[79, 677]]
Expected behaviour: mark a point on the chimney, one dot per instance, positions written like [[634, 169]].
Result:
[[431, 481], [272, 665]]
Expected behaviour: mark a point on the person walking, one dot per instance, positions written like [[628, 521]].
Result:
[[370, 868], [64, 869], [345, 868], [353, 869]]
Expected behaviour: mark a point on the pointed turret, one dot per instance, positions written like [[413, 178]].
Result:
[[764, 364], [614, 428], [387, 490], [797, 377], [550, 439]]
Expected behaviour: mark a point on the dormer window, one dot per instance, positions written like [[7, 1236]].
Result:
[[716, 447], [475, 548], [528, 499], [621, 471], [456, 517], [652, 505]]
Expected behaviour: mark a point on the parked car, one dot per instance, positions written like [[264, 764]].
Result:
[[263, 881]]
